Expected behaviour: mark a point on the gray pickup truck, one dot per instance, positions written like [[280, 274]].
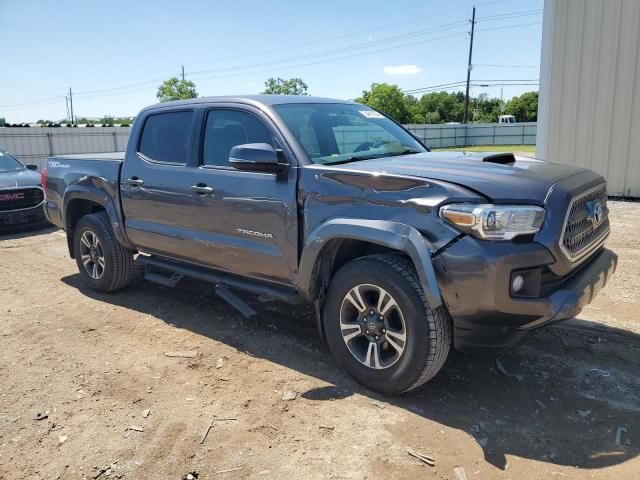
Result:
[[405, 253]]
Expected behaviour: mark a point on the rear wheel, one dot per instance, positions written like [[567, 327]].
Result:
[[380, 326], [104, 264]]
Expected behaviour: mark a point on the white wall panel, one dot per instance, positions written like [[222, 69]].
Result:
[[589, 113]]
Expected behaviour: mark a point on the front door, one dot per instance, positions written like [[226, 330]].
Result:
[[248, 223]]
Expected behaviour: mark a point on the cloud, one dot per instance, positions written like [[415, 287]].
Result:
[[402, 69]]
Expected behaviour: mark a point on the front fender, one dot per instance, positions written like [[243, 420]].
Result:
[[397, 236], [95, 195]]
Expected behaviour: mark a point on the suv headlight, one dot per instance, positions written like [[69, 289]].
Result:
[[494, 222]]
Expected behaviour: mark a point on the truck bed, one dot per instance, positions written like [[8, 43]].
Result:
[[86, 175]]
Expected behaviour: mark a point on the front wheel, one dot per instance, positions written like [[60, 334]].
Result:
[[380, 327], [104, 264]]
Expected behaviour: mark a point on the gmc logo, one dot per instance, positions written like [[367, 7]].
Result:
[[5, 197]]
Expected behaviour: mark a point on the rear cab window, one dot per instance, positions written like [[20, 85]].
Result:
[[165, 137]]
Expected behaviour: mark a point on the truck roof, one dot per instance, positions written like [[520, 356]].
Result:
[[262, 100]]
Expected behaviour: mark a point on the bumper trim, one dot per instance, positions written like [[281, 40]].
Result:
[[573, 296]]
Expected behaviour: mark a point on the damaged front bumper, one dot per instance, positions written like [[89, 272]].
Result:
[[475, 283]]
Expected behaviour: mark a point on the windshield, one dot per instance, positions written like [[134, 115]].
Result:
[[334, 133], [8, 163]]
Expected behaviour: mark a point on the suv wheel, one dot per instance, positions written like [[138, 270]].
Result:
[[104, 264], [380, 327]]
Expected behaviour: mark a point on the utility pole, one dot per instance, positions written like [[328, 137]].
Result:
[[66, 101], [71, 104], [183, 73], [469, 66]]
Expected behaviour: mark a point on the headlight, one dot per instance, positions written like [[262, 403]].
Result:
[[494, 222]]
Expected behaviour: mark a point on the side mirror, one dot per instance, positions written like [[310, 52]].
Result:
[[31, 167], [256, 157]]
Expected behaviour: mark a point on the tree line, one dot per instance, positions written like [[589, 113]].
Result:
[[432, 107], [447, 107]]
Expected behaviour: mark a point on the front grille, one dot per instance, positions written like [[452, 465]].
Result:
[[582, 230], [20, 198]]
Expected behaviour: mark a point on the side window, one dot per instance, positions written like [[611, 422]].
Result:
[[224, 129], [165, 137]]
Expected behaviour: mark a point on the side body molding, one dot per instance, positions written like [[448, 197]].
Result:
[[397, 236], [84, 192]]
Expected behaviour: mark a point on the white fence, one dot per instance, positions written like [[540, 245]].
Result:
[[455, 135], [34, 145]]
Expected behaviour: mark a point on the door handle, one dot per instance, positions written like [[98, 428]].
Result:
[[134, 182], [201, 189]]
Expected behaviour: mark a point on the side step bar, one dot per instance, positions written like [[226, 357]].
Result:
[[222, 282]]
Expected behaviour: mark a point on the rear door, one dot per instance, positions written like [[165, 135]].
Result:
[[248, 223], [156, 185]]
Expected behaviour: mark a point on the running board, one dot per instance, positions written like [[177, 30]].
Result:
[[222, 281], [161, 279], [235, 301]]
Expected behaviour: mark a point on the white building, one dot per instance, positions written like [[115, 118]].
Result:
[[589, 112]]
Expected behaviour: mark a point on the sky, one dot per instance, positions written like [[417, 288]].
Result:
[[114, 54]]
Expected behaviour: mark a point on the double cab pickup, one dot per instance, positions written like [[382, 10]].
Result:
[[404, 253]]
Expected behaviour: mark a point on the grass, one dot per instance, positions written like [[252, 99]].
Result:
[[494, 148]]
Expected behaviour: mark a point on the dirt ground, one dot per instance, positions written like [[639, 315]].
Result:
[[93, 363]]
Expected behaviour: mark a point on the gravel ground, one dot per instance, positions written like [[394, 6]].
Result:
[[79, 370]]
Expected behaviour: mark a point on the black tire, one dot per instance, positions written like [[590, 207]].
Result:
[[427, 330], [118, 266]]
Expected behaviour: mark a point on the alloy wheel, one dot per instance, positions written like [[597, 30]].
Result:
[[92, 254], [372, 326]]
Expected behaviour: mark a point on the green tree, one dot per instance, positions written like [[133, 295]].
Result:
[[485, 109], [448, 107], [174, 89], [280, 86], [524, 107], [388, 99], [432, 117]]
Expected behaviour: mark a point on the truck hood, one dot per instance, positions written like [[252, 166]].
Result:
[[527, 180], [22, 178]]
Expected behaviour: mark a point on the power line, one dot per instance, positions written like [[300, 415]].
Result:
[[351, 34], [326, 53], [508, 16], [504, 66], [330, 52], [269, 70], [509, 26], [264, 52], [139, 86], [348, 48], [488, 82]]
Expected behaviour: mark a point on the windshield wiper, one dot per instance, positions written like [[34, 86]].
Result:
[[356, 158], [406, 151]]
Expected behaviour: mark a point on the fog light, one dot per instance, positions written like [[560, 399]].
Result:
[[517, 284]]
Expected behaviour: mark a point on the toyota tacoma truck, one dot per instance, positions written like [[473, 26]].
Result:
[[404, 253]]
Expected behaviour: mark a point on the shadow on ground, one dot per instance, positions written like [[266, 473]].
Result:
[[24, 231], [570, 393]]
